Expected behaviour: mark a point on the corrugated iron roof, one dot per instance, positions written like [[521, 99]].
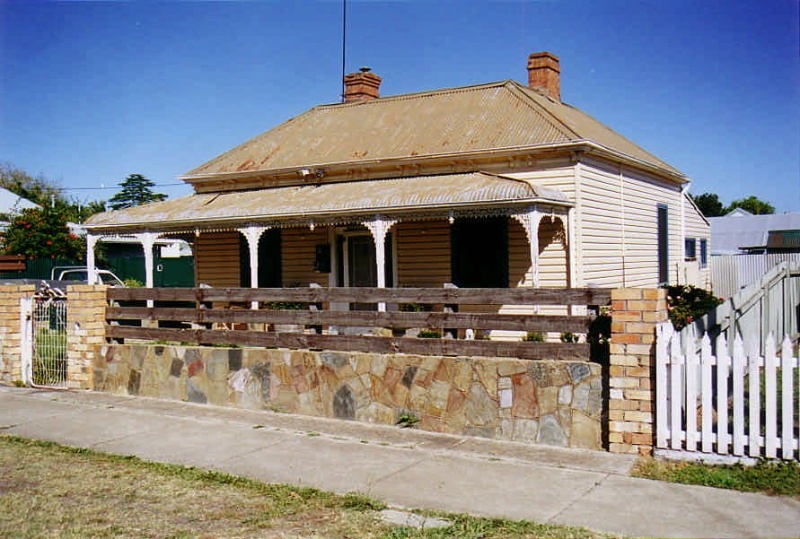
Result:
[[451, 121], [739, 231], [450, 191]]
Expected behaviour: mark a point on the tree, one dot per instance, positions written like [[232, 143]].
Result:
[[36, 189], [709, 205], [43, 233], [136, 190], [752, 204]]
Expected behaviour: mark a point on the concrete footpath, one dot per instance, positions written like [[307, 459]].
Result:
[[405, 468]]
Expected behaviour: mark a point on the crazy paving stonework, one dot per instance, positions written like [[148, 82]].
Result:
[[546, 402]]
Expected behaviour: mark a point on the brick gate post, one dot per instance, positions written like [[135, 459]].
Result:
[[10, 342], [86, 323], [635, 312]]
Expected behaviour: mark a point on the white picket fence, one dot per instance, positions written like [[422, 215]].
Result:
[[741, 404]]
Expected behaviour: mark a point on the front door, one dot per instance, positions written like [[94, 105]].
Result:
[[361, 265]]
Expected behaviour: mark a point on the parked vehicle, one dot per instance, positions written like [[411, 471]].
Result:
[[80, 274]]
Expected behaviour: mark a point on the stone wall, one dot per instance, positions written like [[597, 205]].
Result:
[[547, 402]]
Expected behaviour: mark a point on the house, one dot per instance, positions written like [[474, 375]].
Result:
[[740, 232], [11, 203], [494, 185]]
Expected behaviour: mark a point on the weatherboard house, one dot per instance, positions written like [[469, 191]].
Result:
[[495, 185]]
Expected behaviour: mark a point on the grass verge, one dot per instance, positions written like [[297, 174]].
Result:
[[49, 490], [776, 478]]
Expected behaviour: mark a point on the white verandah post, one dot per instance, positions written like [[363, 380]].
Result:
[[379, 228], [91, 270], [530, 222], [253, 234], [148, 240]]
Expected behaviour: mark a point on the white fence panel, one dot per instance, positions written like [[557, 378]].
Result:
[[743, 404]]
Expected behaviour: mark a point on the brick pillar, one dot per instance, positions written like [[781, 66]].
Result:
[[86, 322], [10, 351], [635, 312]]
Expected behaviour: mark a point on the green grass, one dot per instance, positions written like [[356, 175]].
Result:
[[777, 478], [49, 490]]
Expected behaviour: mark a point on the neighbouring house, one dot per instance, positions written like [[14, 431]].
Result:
[[11, 203], [494, 185], [741, 232], [745, 247]]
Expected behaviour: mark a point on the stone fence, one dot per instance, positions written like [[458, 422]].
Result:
[[554, 402]]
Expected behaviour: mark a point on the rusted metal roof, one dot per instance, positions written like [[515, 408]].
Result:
[[444, 122], [366, 197]]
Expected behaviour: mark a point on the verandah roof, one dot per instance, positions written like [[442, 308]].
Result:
[[462, 193]]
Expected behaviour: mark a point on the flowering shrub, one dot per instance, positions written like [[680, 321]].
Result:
[[42, 233], [686, 303]]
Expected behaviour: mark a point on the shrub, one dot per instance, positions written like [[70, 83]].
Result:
[[534, 336], [569, 337], [686, 303]]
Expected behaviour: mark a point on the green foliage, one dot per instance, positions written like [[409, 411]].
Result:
[[599, 335], [36, 189], [709, 204], [136, 190], [130, 282], [407, 420], [779, 478], [429, 334], [752, 204], [43, 233], [569, 337], [534, 336], [686, 303]]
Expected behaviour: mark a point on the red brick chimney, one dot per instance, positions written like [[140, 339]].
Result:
[[544, 74], [361, 86]]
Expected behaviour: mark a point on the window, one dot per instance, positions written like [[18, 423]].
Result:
[[690, 249], [663, 244], [703, 253]]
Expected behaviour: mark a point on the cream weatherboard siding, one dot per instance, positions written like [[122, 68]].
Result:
[[217, 258], [298, 251], [697, 227], [618, 226], [423, 253]]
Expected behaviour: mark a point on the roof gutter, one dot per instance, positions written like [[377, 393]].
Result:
[[331, 215]]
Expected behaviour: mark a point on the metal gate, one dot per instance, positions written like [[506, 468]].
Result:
[[44, 340]]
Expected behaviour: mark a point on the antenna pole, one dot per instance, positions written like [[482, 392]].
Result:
[[344, 42]]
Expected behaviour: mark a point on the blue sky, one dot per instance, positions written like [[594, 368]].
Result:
[[91, 92]]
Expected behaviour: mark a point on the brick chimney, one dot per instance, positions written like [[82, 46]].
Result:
[[361, 86], [544, 74]]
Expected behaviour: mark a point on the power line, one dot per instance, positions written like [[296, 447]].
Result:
[[114, 188]]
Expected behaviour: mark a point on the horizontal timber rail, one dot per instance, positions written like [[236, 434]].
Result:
[[457, 296], [305, 318]]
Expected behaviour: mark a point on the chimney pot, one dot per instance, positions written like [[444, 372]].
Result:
[[544, 74], [361, 86]]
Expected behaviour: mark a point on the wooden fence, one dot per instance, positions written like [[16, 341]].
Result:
[[313, 318], [740, 404]]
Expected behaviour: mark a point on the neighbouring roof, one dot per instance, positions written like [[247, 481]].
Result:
[[458, 192], [733, 233], [496, 116], [10, 202]]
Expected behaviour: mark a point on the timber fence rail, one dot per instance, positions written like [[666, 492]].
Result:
[[303, 318]]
